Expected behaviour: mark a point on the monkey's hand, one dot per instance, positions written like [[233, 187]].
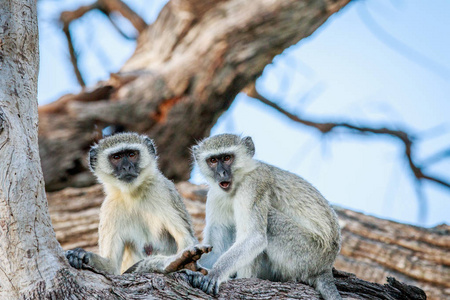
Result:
[[77, 257], [209, 283], [188, 258]]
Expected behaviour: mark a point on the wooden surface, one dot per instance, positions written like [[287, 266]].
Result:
[[372, 248]]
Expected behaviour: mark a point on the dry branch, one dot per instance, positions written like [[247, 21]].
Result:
[[372, 248], [106, 7], [121, 7], [326, 127]]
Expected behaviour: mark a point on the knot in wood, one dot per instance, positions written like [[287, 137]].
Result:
[[158, 283]]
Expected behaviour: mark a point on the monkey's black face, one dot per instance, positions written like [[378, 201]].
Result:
[[125, 164], [221, 166]]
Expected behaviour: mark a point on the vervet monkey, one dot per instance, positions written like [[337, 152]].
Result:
[[143, 220], [262, 221]]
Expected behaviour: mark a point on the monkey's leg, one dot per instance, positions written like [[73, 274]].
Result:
[[295, 254], [325, 285], [186, 259], [256, 269]]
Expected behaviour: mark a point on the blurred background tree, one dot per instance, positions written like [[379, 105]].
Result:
[[360, 108]]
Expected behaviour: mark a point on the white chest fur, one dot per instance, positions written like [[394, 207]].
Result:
[[136, 222], [219, 207]]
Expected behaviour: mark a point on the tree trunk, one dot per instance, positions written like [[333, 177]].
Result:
[[29, 250], [372, 248], [187, 69], [31, 258]]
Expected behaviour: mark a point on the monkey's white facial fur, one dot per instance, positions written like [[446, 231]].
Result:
[[224, 159], [124, 161], [106, 172]]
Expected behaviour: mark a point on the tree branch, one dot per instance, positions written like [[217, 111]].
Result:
[[66, 18], [73, 56], [437, 157], [372, 248], [119, 30], [122, 8], [326, 127], [106, 7]]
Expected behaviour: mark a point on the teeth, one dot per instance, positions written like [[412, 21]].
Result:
[[225, 184]]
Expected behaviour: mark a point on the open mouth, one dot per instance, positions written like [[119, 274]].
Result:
[[225, 184]]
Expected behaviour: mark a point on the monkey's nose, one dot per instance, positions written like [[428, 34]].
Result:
[[127, 168]]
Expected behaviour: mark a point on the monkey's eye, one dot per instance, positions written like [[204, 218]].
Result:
[[131, 154], [227, 158], [115, 156], [213, 160]]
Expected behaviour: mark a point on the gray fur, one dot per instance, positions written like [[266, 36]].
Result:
[[137, 217], [272, 224]]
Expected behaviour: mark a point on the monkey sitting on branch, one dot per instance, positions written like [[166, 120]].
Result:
[[262, 221], [144, 225]]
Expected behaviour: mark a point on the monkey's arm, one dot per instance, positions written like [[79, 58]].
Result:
[[180, 227], [111, 247], [111, 250], [221, 238], [251, 240]]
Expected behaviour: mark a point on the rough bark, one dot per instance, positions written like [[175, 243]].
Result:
[[30, 256], [26, 236], [372, 248], [187, 69], [174, 286]]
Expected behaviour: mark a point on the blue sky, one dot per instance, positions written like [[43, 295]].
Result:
[[375, 62]]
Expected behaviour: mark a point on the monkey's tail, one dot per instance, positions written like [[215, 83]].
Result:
[[326, 287]]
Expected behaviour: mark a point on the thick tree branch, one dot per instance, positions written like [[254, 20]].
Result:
[[186, 71], [372, 248], [326, 127]]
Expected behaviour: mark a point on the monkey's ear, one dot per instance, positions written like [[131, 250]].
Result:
[[248, 142], [195, 150], [93, 157], [150, 145]]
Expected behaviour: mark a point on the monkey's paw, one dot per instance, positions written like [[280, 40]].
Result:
[[188, 258], [77, 257], [209, 283]]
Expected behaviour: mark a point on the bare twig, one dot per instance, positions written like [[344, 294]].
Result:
[[441, 155], [119, 30], [73, 56], [400, 47], [66, 18], [326, 127], [122, 8], [106, 7]]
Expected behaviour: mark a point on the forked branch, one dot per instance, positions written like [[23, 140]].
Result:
[[106, 7]]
